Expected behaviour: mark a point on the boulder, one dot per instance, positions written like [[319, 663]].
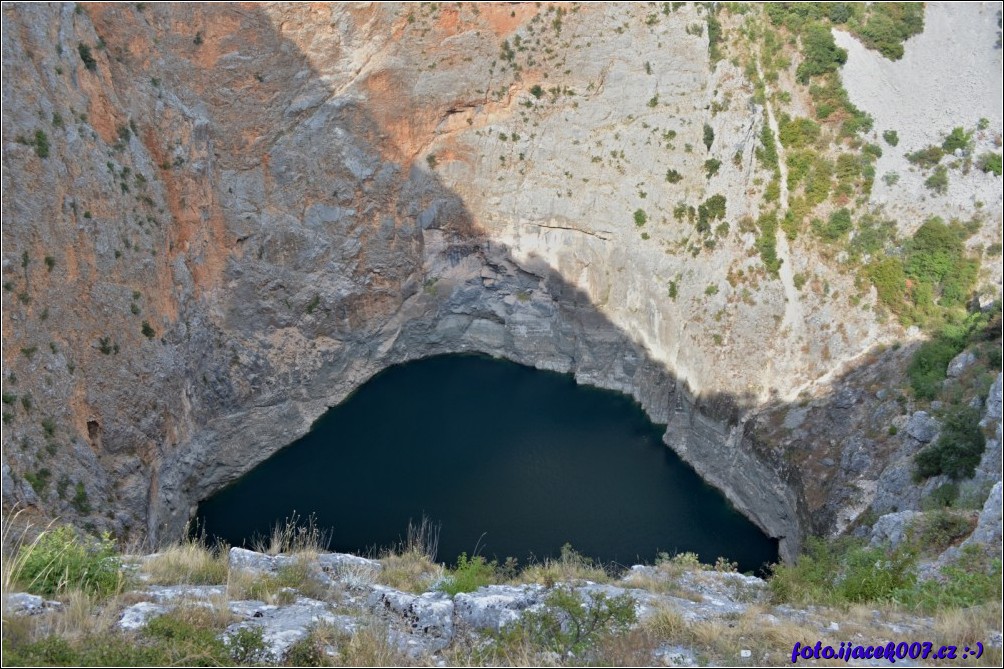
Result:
[[283, 626], [495, 606], [350, 570], [242, 559], [922, 427], [23, 604], [891, 529], [138, 615], [428, 616], [988, 529]]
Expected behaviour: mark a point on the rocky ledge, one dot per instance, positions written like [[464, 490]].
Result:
[[675, 602]]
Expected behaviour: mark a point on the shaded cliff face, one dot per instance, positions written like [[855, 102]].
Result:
[[235, 215]]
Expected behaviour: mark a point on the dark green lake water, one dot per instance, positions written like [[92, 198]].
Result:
[[512, 461]]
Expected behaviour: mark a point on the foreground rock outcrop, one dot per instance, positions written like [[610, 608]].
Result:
[[681, 612]]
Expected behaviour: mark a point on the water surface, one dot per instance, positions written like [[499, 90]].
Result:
[[511, 461]]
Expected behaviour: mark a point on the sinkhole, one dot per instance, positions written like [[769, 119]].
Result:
[[507, 461]]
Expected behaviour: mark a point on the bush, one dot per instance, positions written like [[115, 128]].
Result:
[[87, 57], [821, 54], [957, 139], [958, 449], [942, 528], [710, 210], [974, 579], [890, 282], [59, 560], [469, 575], [838, 225], [938, 181], [990, 163], [41, 144], [640, 217], [79, 501], [714, 37], [148, 330], [247, 646], [875, 574], [936, 255], [709, 136], [891, 137], [569, 624], [767, 151], [711, 167], [673, 177], [928, 366], [926, 158], [766, 243], [798, 133], [843, 571], [889, 24]]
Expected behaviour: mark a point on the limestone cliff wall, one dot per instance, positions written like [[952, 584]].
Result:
[[242, 212]]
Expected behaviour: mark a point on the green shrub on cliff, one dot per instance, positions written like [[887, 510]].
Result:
[[958, 449], [469, 575], [820, 53]]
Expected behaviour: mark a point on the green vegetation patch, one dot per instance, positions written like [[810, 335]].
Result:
[[59, 560]]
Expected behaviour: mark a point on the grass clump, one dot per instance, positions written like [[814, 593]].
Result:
[[411, 566], [569, 566], [59, 560], [191, 562], [294, 537]]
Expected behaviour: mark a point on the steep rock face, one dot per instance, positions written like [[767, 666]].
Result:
[[243, 212]]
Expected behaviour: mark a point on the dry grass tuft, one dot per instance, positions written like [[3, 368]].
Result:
[[411, 565], [372, 647], [569, 567], [411, 571], [294, 538], [190, 562], [666, 624]]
